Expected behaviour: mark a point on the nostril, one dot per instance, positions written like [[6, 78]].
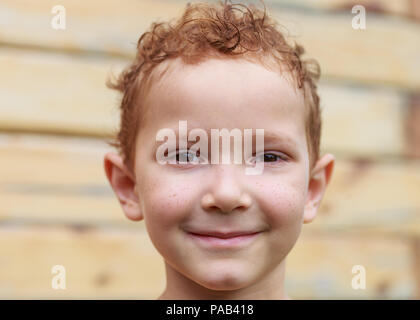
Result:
[[225, 207], [224, 204]]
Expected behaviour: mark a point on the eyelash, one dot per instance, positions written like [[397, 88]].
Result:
[[282, 157], [184, 151]]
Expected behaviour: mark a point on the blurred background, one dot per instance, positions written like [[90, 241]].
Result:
[[57, 208]]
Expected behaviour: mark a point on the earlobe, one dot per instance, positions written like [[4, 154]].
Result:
[[319, 180], [123, 185]]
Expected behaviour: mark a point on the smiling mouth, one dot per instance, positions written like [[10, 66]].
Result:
[[224, 240]]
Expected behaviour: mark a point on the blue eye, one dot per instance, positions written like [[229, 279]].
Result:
[[186, 157]]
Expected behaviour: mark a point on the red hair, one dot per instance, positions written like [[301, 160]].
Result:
[[213, 30]]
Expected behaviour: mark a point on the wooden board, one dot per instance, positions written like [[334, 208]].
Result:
[[363, 56], [372, 197], [57, 179], [402, 7], [116, 263], [321, 266], [360, 121], [106, 26], [57, 93]]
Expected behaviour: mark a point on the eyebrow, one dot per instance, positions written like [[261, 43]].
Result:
[[270, 137], [278, 136]]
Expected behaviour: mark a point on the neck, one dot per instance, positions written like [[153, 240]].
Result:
[[269, 287]]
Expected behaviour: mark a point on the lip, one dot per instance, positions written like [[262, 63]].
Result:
[[217, 239]]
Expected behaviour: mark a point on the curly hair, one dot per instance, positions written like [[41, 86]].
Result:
[[206, 30]]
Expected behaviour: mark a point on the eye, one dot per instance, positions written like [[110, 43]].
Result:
[[187, 157], [271, 158], [184, 156]]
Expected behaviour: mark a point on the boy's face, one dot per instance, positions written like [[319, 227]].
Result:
[[176, 200]]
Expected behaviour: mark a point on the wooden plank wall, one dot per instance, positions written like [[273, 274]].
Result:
[[56, 206]]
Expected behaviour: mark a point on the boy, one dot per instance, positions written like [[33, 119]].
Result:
[[223, 234]]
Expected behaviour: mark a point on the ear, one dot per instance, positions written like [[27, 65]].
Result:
[[318, 181], [124, 185]]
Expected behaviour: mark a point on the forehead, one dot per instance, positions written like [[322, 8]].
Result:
[[222, 93]]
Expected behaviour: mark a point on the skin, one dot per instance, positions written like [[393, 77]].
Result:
[[173, 198]]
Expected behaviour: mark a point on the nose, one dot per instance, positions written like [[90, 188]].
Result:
[[226, 192]]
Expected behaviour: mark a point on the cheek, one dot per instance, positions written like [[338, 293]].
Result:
[[165, 201], [282, 200]]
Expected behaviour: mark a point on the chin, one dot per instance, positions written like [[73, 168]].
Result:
[[225, 279], [223, 284]]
